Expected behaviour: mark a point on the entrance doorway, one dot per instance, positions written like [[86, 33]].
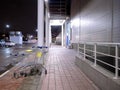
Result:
[[56, 35]]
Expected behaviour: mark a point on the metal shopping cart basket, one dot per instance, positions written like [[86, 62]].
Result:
[[32, 68]]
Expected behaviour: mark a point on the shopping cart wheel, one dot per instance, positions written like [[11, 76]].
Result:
[[25, 74], [21, 73], [40, 73], [15, 75], [16, 54], [37, 71], [23, 54], [32, 71], [45, 71]]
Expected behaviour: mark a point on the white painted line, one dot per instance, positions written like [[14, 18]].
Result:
[[4, 73]]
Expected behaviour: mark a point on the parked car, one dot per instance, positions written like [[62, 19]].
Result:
[[9, 44], [2, 43]]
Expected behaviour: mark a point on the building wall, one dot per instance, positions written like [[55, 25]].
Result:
[[116, 21], [16, 39], [95, 20], [75, 20]]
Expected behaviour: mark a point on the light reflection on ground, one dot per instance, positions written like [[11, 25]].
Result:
[[9, 57]]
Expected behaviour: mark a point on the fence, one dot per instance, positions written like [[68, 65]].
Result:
[[106, 55]]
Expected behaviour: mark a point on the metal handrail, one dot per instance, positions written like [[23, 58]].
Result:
[[95, 52]]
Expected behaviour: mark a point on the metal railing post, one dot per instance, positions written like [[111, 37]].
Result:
[[95, 54], [78, 50], [84, 50], [116, 61]]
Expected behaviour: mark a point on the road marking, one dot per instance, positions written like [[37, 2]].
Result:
[[4, 73]]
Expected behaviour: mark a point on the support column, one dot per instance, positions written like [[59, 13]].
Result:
[[40, 22], [62, 36], [50, 35], [47, 29]]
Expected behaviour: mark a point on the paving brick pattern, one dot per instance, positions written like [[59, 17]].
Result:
[[63, 74], [8, 82]]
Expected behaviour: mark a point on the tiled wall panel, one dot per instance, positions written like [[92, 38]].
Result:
[[99, 20], [116, 21], [75, 21]]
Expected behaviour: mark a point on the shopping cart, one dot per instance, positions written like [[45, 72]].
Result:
[[35, 67], [16, 52]]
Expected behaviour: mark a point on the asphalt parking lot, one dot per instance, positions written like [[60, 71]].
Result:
[[10, 56]]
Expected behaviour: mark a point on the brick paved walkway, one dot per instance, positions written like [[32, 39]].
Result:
[[8, 82], [63, 74]]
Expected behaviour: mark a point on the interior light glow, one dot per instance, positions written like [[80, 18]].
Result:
[[46, 0], [48, 15], [75, 22], [56, 22], [86, 22]]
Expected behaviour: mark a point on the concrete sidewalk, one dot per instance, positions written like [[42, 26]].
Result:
[[63, 74], [8, 82]]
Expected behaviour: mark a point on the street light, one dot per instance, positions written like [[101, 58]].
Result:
[[7, 26]]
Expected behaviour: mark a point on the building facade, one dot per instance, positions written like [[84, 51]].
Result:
[[95, 21]]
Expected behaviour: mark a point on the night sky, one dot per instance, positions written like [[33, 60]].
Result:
[[21, 15], [55, 31]]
